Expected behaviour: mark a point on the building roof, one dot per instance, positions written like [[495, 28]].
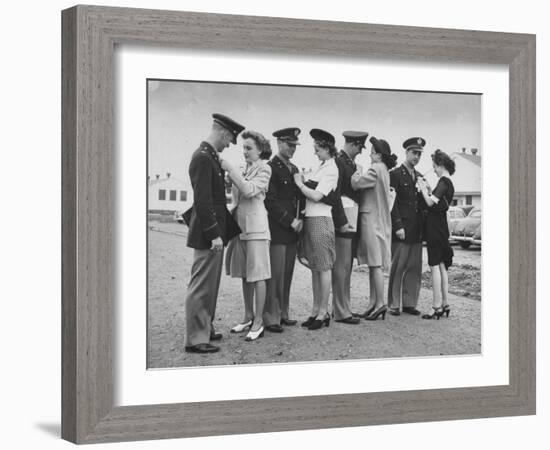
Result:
[[476, 159], [152, 182]]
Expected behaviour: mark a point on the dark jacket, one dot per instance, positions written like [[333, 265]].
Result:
[[283, 202], [346, 168], [209, 217], [408, 208]]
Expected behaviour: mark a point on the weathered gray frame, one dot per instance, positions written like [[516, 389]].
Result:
[[89, 36]]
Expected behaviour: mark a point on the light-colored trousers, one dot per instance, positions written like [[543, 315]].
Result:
[[341, 278], [405, 274], [282, 258], [202, 295]]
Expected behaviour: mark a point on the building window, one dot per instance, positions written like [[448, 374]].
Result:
[[162, 194], [173, 195], [468, 199], [183, 196]]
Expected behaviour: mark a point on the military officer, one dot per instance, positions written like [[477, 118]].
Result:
[[345, 215], [210, 228], [283, 203], [406, 267]]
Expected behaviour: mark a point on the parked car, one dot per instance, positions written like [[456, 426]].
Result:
[[467, 231], [466, 208], [454, 214]]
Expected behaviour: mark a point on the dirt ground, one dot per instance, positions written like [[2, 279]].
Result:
[[403, 336]]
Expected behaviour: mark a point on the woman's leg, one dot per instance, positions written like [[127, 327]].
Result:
[[444, 284], [260, 292], [324, 292], [248, 295], [436, 286], [316, 283], [377, 285], [373, 296]]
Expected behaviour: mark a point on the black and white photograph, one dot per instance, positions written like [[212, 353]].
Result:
[[290, 224]]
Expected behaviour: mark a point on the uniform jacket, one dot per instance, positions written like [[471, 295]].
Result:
[[407, 212], [249, 209], [283, 201], [346, 168], [209, 216]]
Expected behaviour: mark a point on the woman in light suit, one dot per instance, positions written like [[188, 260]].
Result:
[[248, 254], [374, 246]]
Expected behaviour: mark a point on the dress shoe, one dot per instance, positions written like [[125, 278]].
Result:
[[318, 323], [308, 322], [275, 328], [240, 327], [394, 311], [288, 322], [201, 348], [349, 320], [216, 336], [410, 310], [365, 314], [253, 335], [436, 314], [380, 312]]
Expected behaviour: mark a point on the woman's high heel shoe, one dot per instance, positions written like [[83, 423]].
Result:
[[318, 323], [438, 312], [378, 312], [308, 322], [446, 310], [253, 335], [239, 328]]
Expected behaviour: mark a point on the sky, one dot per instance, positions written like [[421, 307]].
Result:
[[180, 117]]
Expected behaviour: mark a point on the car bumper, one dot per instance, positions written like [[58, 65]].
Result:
[[470, 239]]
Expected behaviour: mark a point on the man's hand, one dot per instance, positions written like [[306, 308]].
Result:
[[400, 234], [217, 245], [297, 225]]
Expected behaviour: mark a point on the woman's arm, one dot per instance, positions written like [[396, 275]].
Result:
[[361, 180], [250, 188], [326, 184], [433, 198]]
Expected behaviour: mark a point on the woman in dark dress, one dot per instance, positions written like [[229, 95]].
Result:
[[440, 253]]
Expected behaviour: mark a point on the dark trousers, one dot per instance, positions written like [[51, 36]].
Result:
[[341, 278], [282, 258], [202, 295], [405, 274]]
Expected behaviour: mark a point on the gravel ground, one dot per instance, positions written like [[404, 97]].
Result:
[[405, 335]]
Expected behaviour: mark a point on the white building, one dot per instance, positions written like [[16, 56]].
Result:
[[467, 178], [168, 194]]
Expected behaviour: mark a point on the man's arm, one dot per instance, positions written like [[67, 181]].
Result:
[[396, 221], [274, 208], [200, 172]]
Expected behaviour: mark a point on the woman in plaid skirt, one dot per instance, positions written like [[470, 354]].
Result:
[[319, 239]]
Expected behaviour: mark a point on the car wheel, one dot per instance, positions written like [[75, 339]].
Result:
[[465, 245]]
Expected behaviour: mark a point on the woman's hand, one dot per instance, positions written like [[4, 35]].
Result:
[[421, 184], [299, 179], [226, 165]]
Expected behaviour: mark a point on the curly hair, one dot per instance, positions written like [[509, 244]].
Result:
[[389, 160], [384, 150], [262, 143], [332, 150], [440, 158]]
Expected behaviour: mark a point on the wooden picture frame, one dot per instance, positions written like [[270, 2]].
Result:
[[89, 37]]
